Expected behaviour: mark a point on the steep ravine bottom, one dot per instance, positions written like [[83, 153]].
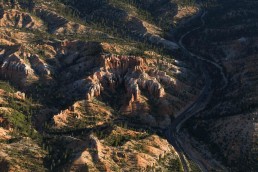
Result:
[[226, 129], [188, 154]]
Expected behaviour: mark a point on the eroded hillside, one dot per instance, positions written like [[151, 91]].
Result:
[[86, 97], [128, 85]]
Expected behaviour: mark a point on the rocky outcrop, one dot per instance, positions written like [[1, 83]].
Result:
[[83, 91], [23, 66], [15, 68], [145, 154], [90, 74], [73, 112], [87, 74], [129, 70], [39, 66], [138, 79], [162, 77], [81, 114], [15, 18]]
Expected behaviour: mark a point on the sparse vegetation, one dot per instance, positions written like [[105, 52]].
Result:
[[58, 124]]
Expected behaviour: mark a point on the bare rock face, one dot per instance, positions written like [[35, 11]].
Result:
[[162, 77], [94, 91], [22, 67], [40, 66], [129, 70], [15, 68]]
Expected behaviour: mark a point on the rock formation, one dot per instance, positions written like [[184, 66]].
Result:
[[76, 88], [15, 18]]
